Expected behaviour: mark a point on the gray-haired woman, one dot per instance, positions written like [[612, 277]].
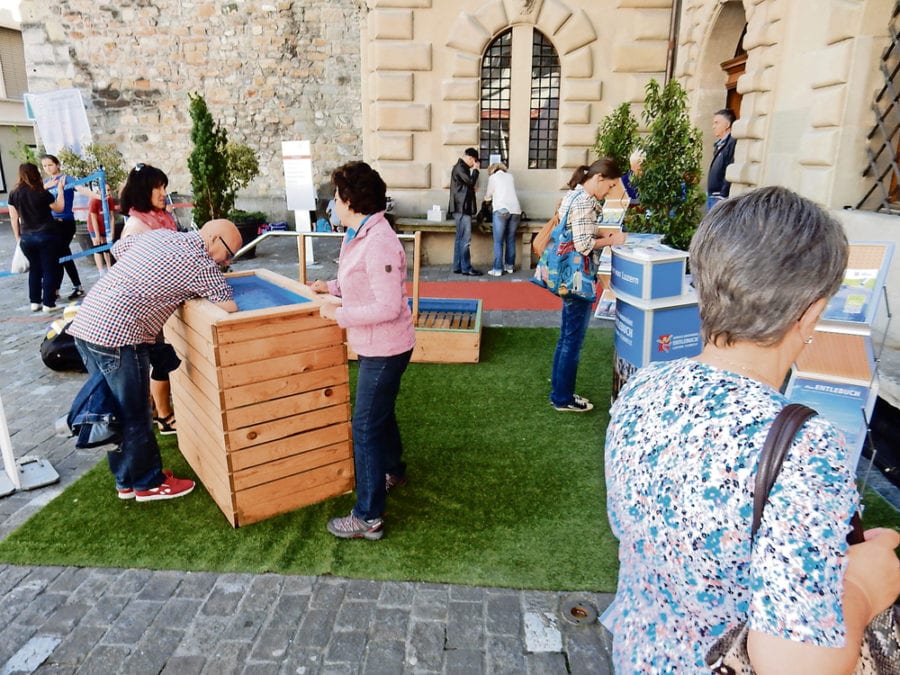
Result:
[[681, 455]]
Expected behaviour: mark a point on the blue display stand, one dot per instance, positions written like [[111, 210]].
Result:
[[837, 373], [648, 271], [657, 318]]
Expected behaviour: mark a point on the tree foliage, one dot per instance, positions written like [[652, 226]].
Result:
[[92, 158], [617, 136], [219, 168], [668, 184]]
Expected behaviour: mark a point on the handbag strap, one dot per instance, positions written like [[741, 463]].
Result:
[[786, 425]]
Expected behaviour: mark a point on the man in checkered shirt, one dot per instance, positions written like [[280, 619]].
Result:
[[118, 322]]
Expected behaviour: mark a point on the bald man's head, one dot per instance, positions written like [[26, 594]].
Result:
[[222, 239]]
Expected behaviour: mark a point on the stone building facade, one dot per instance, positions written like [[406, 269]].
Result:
[[269, 71], [396, 82]]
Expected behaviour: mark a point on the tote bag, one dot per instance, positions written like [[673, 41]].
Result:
[[564, 271]]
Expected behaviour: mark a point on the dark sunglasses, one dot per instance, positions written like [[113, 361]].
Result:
[[227, 248]]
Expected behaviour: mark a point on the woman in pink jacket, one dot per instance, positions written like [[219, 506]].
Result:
[[371, 304]]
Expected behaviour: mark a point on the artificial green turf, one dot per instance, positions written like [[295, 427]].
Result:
[[503, 491]]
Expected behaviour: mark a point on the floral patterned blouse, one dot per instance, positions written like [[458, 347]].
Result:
[[681, 454]]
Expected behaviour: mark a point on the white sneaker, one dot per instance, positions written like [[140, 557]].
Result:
[[35, 307], [50, 310], [495, 273], [508, 269]]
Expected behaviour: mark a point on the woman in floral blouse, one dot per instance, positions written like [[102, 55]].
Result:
[[681, 457]]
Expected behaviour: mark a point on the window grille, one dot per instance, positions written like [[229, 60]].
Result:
[[496, 80], [544, 128], [882, 150]]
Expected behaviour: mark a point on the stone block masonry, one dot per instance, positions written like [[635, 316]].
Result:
[[269, 72]]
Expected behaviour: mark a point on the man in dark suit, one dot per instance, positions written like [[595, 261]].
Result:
[[717, 188], [462, 207]]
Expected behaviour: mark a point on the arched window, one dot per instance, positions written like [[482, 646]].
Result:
[[510, 123], [544, 128], [496, 78]]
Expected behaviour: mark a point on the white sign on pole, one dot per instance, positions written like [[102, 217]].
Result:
[[60, 119], [299, 189]]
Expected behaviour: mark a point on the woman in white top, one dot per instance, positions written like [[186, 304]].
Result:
[[501, 193]]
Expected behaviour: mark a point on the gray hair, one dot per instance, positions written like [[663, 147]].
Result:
[[760, 260]]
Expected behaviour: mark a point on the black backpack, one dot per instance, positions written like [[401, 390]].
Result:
[[58, 351]]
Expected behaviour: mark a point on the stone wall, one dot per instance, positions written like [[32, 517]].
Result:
[[269, 71]]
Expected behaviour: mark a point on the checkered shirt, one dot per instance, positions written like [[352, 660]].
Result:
[[583, 211], [154, 273]]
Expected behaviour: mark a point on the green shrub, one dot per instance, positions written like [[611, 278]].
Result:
[[617, 136], [671, 198]]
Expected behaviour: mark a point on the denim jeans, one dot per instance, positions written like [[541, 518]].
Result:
[[505, 224], [711, 201], [136, 463], [43, 252], [462, 260], [576, 316], [68, 227], [377, 448]]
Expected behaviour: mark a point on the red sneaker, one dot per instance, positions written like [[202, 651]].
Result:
[[128, 493], [170, 488]]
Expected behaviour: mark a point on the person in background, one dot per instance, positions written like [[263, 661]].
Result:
[[372, 305], [117, 325], [462, 206], [501, 193], [97, 229], [144, 200], [682, 448], [635, 160], [717, 188], [66, 219], [38, 233], [580, 207]]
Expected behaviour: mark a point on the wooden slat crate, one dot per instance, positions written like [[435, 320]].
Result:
[[263, 403], [448, 330]]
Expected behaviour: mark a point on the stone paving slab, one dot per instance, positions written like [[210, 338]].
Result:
[[98, 620]]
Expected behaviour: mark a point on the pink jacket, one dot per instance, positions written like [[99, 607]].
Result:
[[371, 282]]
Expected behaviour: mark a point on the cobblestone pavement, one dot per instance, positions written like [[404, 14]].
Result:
[[95, 620]]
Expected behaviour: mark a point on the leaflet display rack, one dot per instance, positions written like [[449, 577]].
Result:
[[837, 374]]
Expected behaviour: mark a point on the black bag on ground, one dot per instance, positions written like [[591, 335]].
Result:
[[58, 351]]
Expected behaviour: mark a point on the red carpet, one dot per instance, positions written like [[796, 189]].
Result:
[[495, 295]]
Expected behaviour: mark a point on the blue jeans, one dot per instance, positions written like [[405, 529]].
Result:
[[43, 252], [505, 224], [136, 463], [712, 200], [576, 316], [462, 261], [377, 448]]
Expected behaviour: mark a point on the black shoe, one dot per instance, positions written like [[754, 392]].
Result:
[[474, 273], [457, 271], [77, 292]]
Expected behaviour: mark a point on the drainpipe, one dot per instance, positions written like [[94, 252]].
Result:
[[672, 51]]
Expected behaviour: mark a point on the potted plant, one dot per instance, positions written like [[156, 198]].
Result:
[[218, 167], [617, 136], [668, 184], [248, 223]]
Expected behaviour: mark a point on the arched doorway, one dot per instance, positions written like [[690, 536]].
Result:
[[734, 68], [722, 61]]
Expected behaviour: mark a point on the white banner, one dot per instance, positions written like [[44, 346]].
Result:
[[298, 176], [61, 119]]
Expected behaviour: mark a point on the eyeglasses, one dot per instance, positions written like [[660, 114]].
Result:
[[227, 248]]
